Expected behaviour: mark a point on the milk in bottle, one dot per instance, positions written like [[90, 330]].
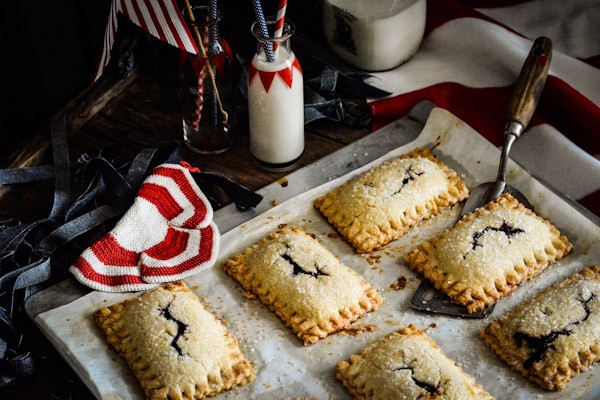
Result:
[[276, 103]]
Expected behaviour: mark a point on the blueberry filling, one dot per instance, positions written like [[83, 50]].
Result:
[[540, 345], [423, 385], [181, 327], [409, 175], [505, 228], [586, 308], [299, 270]]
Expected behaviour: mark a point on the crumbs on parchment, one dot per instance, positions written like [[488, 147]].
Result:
[[400, 283], [283, 182], [358, 330], [372, 258], [432, 325], [300, 398]]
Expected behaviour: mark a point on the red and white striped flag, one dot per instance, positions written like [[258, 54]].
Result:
[[160, 18]]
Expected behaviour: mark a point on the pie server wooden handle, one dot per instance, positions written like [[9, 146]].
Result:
[[528, 88]]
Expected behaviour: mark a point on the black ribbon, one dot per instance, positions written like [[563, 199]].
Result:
[[85, 207], [243, 197]]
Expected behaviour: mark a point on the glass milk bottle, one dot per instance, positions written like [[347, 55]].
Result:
[[275, 101]]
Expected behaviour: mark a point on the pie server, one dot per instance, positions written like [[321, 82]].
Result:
[[522, 104]]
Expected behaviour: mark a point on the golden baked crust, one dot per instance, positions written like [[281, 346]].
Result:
[[554, 335], [488, 253], [173, 345], [303, 283], [382, 204], [406, 364]]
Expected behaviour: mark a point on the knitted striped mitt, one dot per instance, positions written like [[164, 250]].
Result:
[[167, 234]]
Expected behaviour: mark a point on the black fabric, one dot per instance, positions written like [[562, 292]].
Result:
[[86, 206], [243, 197]]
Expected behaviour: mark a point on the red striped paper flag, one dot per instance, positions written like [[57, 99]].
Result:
[[160, 18]]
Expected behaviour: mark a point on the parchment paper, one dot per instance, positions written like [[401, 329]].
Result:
[[286, 368]]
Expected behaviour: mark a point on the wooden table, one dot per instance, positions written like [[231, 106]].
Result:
[[133, 113]]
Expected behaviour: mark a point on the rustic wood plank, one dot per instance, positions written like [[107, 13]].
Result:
[[26, 201], [77, 112], [134, 114]]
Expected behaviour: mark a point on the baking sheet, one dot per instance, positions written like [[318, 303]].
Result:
[[286, 368]]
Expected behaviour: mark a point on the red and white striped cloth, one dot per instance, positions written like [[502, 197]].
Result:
[[166, 235], [470, 58], [160, 18]]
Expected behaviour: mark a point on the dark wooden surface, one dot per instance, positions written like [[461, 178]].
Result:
[[133, 113]]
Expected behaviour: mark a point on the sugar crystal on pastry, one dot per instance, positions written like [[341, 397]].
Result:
[[554, 335], [303, 283], [173, 345], [488, 253], [406, 364], [382, 204]]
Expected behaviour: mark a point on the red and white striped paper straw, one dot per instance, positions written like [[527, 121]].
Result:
[[199, 99], [200, 88], [280, 19]]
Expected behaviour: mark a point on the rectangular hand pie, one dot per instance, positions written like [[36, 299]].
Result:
[[303, 283], [406, 364], [383, 203], [488, 253], [174, 346], [554, 335]]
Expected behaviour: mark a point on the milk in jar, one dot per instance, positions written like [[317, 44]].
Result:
[[374, 35], [276, 104]]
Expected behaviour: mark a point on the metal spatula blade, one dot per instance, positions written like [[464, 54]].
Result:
[[428, 298], [523, 102], [483, 193]]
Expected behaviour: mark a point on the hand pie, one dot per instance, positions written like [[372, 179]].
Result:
[[406, 364], [303, 283], [488, 253], [382, 204], [173, 345], [554, 335]]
